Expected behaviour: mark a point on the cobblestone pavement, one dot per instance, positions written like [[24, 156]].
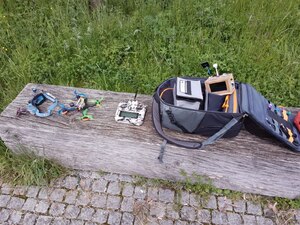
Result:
[[91, 198]]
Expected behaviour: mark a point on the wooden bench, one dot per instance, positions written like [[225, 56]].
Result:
[[245, 163]]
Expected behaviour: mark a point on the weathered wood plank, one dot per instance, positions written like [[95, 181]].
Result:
[[244, 163]]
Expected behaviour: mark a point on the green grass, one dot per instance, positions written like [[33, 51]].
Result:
[[133, 44], [27, 169]]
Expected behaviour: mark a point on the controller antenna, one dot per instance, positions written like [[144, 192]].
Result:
[[135, 95], [216, 67]]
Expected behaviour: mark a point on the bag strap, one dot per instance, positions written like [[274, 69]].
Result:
[[156, 119]]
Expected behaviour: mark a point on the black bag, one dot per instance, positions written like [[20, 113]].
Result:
[[219, 117]]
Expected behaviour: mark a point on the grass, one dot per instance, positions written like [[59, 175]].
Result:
[[136, 44], [27, 169]]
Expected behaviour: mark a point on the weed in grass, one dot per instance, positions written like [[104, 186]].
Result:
[[285, 204], [102, 173], [141, 210], [203, 187], [26, 168], [178, 205]]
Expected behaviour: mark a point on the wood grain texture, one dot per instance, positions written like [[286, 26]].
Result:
[[245, 163]]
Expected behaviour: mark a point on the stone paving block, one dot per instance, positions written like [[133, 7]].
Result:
[[114, 218], [83, 198], [29, 219], [114, 188], [127, 204], [111, 177], [128, 190], [29, 204], [6, 189], [127, 219], [76, 222], [71, 196], [57, 209], [218, 217], [180, 222], [140, 192], [264, 221], [195, 200], [4, 214], [152, 193], [43, 220], [15, 203], [225, 204], [151, 221], [15, 217], [254, 208], [210, 203], [58, 182], [204, 216], [100, 216], [20, 190], [84, 174], [32, 191], [42, 206], [158, 209], [249, 219], [99, 185], [4, 199], [86, 214], [85, 184], [97, 175], [185, 198], [70, 182], [234, 218], [297, 215], [113, 202], [188, 213], [197, 223], [239, 206], [72, 211], [60, 221], [125, 178], [99, 200], [57, 195], [165, 222], [166, 195], [171, 213], [43, 194], [90, 223], [141, 210], [268, 213]]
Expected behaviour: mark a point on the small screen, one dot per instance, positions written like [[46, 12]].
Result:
[[221, 86], [129, 114]]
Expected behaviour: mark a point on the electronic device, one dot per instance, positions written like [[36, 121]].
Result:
[[131, 112], [189, 88], [188, 93], [206, 66], [38, 100], [221, 85]]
